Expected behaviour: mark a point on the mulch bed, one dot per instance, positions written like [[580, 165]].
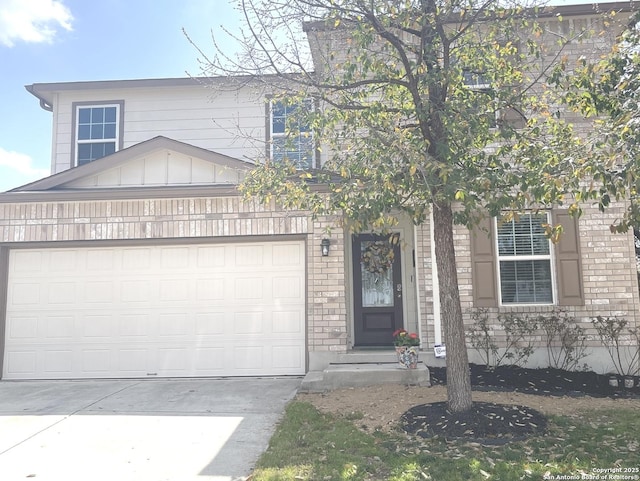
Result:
[[486, 423], [489, 423], [542, 381]]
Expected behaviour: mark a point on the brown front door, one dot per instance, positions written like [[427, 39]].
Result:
[[377, 290]]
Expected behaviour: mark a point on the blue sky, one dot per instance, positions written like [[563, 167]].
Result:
[[72, 40]]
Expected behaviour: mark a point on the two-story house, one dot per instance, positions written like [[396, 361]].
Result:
[[138, 257]]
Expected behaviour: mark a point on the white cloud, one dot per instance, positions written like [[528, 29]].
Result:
[[21, 164], [33, 21]]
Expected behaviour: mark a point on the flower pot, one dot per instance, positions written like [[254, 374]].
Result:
[[407, 356], [629, 382]]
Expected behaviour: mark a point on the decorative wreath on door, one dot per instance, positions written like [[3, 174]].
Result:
[[377, 257]]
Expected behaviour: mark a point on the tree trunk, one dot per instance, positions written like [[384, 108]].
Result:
[[458, 376]]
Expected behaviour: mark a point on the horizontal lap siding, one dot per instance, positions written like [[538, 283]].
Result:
[[228, 122]]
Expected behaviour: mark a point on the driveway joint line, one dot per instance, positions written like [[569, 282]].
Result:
[[103, 398], [64, 418]]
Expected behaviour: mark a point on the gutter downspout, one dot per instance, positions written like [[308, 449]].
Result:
[[44, 105]]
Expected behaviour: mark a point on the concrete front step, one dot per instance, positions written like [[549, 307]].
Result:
[[387, 356], [364, 374]]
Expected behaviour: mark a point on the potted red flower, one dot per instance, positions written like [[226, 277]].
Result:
[[406, 344]]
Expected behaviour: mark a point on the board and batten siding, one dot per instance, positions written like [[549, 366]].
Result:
[[160, 168], [229, 122]]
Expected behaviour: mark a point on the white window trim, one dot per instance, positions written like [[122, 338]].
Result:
[[77, 142], [484, 88], [284, 134], [550, 257]]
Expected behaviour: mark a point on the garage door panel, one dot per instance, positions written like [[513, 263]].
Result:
[[97, 361], [59, 328], [58, 362], [209, 289], [23, 328], [133, 361], [20, 363], [64, 261], [247, 323], [175, 325], [136, 291], [173, 359], [209, 361], [135, 260], [288, 255], [97, 292], [210, 323], [97, 327], [24, 294], [26, 261], [100, 260], [135, 325], [286, 287], [246, 357], [174, 258], [288, 357], [62, 292], [174, 290], [249, 256], [211, 256], [196, 310], [287, 322], [249, 288]]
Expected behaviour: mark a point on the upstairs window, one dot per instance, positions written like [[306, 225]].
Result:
[[480, 83], [476, 81], [97, 131], [291, 135], [524, 261]]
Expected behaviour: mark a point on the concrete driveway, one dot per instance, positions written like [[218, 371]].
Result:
[[138, 430]]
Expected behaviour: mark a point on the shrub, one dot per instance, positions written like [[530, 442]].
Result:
[[519, 338], [479, 335], [622, 343], [564, 339]]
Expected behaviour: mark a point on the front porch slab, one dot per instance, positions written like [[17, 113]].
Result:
[[364, 374]]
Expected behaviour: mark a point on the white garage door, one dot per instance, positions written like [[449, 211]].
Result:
[[166, 311]]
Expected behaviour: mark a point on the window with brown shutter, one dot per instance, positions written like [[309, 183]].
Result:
[[568, 261], [484, 265], [519, 273], [524, 260]]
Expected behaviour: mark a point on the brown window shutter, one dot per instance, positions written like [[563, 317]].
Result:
[[483, 260], [568, 261]]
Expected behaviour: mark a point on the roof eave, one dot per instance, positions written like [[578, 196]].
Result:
[[44, 91], [130, 193], [543, 12], [58, 181]]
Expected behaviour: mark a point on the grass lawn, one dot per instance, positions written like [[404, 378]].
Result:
[[310, 445]]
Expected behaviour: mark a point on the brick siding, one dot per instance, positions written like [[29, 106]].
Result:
[[197, 218]]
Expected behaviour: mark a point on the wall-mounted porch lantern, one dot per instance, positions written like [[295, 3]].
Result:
[[324, 246]]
